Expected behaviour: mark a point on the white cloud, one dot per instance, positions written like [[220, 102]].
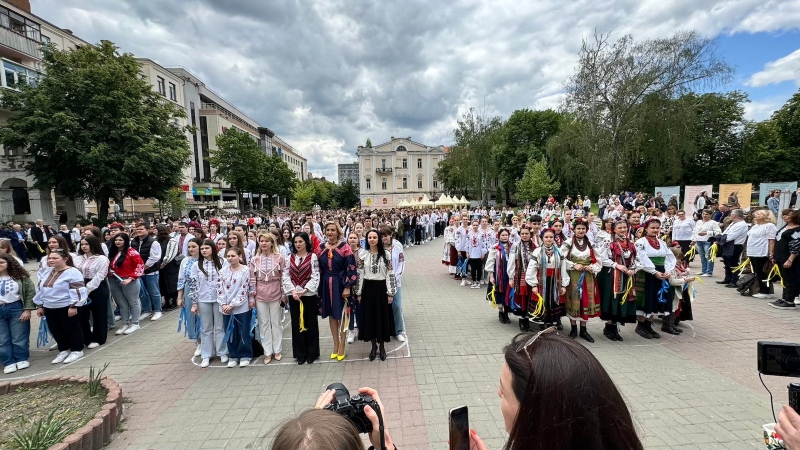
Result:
[[783, 69], [326, 75], [763, 109]]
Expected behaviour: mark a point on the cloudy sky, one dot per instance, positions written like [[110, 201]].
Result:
[[327, 74]]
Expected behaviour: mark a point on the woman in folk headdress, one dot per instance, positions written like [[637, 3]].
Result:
[[583, 264], [547, 277], [616, 280]]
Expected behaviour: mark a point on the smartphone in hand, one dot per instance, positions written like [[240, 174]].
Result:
[[459, 428]]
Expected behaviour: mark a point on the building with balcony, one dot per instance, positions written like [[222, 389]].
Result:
[[396, 170], [21, 36], [349, 172]]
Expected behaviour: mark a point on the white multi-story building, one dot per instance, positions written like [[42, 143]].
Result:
[[396, 170]]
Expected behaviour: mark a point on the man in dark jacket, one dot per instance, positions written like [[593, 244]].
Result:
[[40, 234], [150, 251]]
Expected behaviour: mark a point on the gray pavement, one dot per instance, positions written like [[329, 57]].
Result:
[[699, 390]]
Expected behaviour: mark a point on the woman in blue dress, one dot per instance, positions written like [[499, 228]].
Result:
[[187, 320], [338, 274]]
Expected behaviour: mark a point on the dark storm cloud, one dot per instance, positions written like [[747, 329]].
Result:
[[328, 74]]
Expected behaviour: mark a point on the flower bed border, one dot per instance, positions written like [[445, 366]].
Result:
[[97, 432]]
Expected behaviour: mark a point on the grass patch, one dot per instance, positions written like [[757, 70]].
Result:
[[69, 403]]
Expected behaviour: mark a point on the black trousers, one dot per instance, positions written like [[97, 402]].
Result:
[[98, 309], [791, 280], [476, 269], [305, 344], [685, 245], [730, 263], [758, 268], [66, 330]]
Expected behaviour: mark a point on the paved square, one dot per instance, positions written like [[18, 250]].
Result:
[[699, 390]]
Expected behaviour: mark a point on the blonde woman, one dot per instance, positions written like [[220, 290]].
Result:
[[266, 272], [338, 275], [760, 247]]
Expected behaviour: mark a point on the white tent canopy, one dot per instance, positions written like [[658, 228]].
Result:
[[403, 203]]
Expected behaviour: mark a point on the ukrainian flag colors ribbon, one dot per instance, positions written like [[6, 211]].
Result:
[[539, 311], [772, 273], [664, 290], [742, 265], [44, 331], [713, 251], [493, 297], [628, 288], [302, 317], [691, 253]]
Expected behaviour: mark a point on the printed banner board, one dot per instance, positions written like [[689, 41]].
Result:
[[668, 191], [765, 188], [692, 193], [736, 195]]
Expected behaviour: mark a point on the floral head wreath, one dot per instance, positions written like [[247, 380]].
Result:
[[213, 222], [554, 219], [194, 224], [649, 221], [115, 225], [580, 221], [550, 229], [618, 221]]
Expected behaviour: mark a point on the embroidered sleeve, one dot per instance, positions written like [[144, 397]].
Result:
[[286, 279], [532, 274], [221, 287], [391, 280], [136, 260], [100, 270], [401, 264], [351, 271], [642, 260], [360, 270], [490, 262], [240, 283], [77, 290], [313, 283]]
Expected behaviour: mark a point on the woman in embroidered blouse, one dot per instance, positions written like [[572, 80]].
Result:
[[300, 283], [353, 241], [547, 277], [16, 304], [705, 232], [93, 264], [59, 294], [286, 232], [653, 294], [235, 239], [583, 264], [337, 276], [517, 266], [618, 303], [203, 294], [497, 266], [186, 294], [236, 305], [266, 272], [376, 288], [54, 243], [124, 269], [213, 230]]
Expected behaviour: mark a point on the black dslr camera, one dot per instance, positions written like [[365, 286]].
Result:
[[783, 360], [352, 408]]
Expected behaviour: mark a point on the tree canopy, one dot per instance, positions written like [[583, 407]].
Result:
[[95, 126]]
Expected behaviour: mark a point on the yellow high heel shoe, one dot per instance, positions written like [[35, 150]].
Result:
[[334, 355], [340, 357]]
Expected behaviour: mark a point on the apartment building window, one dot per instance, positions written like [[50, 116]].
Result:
[[45, 40], [436, 184], [173, 95], [383, 163], [405, 183], [369, 184], [161, 86], [383, 183], [419, 163], [419, 184], [21, 25], [405, 163]]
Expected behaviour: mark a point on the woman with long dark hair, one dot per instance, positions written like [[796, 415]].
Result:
[[653, 293], [56, 242], [583, 264], [168, 272], [300, 282], [376, 288], [591, 414], [16, 303], [185, 294], [124, 270], [338, 275], [204, 277], [615, 281], [93, 264]]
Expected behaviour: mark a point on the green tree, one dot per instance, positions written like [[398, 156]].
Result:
[[536, 182], [771, 148], [347, 194], [275, 178], [96, 129], [173, 203], [238, 161], [368, 144], [303, 197], [523, 136]]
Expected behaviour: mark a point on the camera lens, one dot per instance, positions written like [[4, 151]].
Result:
[[339, 388]]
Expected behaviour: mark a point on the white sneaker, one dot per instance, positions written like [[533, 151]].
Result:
[[198, 352], [244, 362], [61, 357], [121, 330], [144, 316], [705, 274], [406, 245], [157, 316], [796, 302], [232, 362], [482, 282], [351, 336], [463, 282], [204, 363], [117, 318], [54, 346], [401, 337], [23, 365], [10, 369], [93, 345], [223, 359], [132, 329], [73, 356]]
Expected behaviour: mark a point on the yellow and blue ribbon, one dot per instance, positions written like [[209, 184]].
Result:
[[42, 338]]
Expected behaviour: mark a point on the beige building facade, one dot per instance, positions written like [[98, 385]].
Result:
[[397, 170]]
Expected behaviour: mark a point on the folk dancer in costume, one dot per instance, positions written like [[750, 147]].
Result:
[[213, 231], [616, 279], [497, 266], [557, 225], [460, 244], [376, 288], [488, 237], [635, 228], [476, 250], [583, 264], [681, 282], [535, 223], [338, 274], [653, 294], [449, 252], [547, 276], [517, 267]]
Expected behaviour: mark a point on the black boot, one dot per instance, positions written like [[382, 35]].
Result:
[[608, 332], [500, 316], [374, 351], [559, 326], [585, 334], [574, 331], [505, 317], [524, 326], [616, 333], [641, 330], [667, 327], [653, 333], [383, 352]]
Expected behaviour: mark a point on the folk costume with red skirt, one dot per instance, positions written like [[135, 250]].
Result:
[[617, 288], [547, 273], [517, 266], [337, 271], [583, 296], [497, 262]]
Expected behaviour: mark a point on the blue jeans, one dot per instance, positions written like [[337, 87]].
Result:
[[397, 310], [149, 293], [407, 236], [240, 344], [14, 335], [706, 264]]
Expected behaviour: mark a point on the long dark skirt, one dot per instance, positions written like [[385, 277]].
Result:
[[554, 308], [377, 318], [611, 307], [684, 311], [168, 280], [647, 289], [305, 344]]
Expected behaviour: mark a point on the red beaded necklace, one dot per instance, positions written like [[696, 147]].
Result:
[[654, 242]]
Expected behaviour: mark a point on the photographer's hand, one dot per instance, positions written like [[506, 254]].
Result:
[[788, 427], [375, 436], [325, 399]]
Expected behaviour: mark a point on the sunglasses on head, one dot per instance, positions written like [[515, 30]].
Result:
[[529, 342]]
